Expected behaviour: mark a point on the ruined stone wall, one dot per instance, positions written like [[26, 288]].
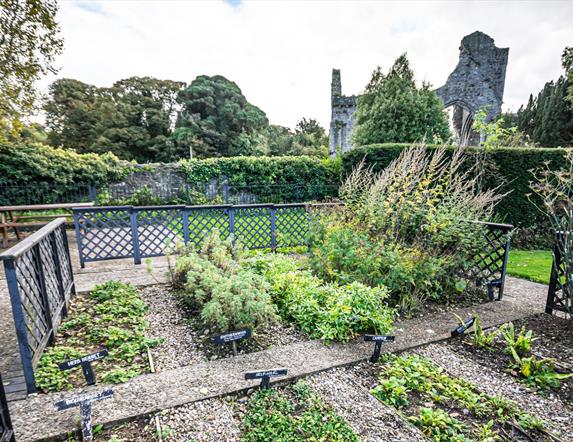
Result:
[[342, 117]]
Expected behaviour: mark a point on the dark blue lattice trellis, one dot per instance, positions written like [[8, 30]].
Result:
[[558, 296], [40, 283], [6, 429], [120, 232]]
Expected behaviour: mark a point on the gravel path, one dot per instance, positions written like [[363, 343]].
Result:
[[206, 421], [167, 320], [368, 417], [556, 415]]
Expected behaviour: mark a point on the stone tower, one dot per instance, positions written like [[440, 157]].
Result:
[[342, 116], [476, 83]]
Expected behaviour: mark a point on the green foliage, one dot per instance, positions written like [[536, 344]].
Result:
[[513, 170], [404, 379], [263, 170], [217, 120], [214, 282], [567, 62], [29, 44], [308, 138], [36, 163], [394, 110], [112, 318], [538, 373], [405, 228], [548, 118], [334, 312], [498, 133], [292, 415], [132, 119], [480, 338], [440, 426], [520, 343]]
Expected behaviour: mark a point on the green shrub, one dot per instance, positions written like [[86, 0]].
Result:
[[511, 167], [405, 228], [213, 281], [33, 163], [334, 312]]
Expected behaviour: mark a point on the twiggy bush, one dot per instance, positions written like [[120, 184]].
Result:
[[227, 295], [406, 227]]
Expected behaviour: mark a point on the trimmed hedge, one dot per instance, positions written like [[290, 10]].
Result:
[[264, 170], [512, 166], [33, 163]]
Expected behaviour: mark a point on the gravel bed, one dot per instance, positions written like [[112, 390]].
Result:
[[369, 418], [210, 420], [550, 409], [167, 320]]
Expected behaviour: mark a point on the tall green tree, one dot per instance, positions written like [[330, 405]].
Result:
[[29, 43], [567, 61], [393, 109], [217, 118], [134, 118], [548, 118]]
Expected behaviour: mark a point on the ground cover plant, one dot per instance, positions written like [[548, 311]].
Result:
[[451, 409], [534, 265], [292, 414], [406, 228], [329, 311], [111, 317], [517, 350]]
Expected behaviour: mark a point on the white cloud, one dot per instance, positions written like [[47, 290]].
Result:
[[281, 52]]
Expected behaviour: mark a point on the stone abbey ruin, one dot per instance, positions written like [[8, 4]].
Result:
[[476, 83]]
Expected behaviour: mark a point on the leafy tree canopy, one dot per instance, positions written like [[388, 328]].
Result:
[[29, 43], [218, 119], [393, 109], [567, 61]]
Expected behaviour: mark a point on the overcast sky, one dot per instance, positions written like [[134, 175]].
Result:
[[281, 53]]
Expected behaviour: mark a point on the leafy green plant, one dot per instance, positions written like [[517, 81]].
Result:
[[520, 343], [404, 228], [537, 372], [392, 391], [440, 426], [333, 312], [482, 339], [112, 316], [293, 414]]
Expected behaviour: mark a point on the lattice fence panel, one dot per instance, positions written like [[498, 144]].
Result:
[[291, 226], [6, 429], [40, 281], [558, 296], [158, 226], [203, 220], [253, 227], [104, 234]]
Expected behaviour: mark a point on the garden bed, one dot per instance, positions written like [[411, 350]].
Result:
[[552, 338]]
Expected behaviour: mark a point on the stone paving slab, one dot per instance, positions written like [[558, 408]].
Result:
[[35, 418]]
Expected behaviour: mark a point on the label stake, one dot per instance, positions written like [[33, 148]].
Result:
[[378, 340], [462, 328], [232, 337], [85, 403], [85, 362]]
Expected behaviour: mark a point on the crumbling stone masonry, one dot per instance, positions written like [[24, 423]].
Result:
[[476, 83]]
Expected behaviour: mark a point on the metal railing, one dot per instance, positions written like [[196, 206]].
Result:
[[46, 193], [6, 429], [40, 282]]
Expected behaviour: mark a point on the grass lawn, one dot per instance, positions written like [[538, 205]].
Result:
[[534, 265]]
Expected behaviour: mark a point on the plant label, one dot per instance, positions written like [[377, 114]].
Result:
[[265, 375], [378, 340], [85, 362], [225, 338], [85, 403], [462, 328]]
